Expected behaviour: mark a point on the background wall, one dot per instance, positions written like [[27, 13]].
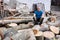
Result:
[[47, 3]]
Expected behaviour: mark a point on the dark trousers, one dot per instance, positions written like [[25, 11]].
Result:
[[38, 21]]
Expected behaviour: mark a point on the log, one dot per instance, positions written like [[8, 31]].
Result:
[[1, 35], [37, 27], [20, 26], [44, 27], [48, 34], [56, 23], [54, 29], [45, 19], [58, 37], [24, 26], [16, 20], [12, 24], [10, 32], [7, 38], [53, 18], [26, 34], [37, 33], [31, 24], [2, 29]]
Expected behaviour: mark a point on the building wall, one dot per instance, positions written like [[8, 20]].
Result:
[[47, 3]]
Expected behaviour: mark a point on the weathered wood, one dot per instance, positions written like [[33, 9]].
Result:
[[2, 32], [54, 29], [14, 21], [12, 24], [37, 33], [48, 34], [26, 34]]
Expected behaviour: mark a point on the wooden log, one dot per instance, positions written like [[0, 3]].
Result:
[[24, 26], [56, 23], [54, 29], [16, 20], [48, 34], [37, 33], [45, 19], [12, 24], [2, 32], [58, 37], [44, 27], [26, 34], [7, 38], [30, 24], [20, 26], [10, 32], [37, 27], [53, 18]]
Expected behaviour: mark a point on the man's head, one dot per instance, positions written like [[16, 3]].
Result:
[[38, 8]]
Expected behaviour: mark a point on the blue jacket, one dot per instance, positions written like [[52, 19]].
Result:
[[38, 14]]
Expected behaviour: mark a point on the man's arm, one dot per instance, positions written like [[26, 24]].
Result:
[[43, 15]]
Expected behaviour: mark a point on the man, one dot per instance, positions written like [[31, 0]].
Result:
[[38, 14]]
